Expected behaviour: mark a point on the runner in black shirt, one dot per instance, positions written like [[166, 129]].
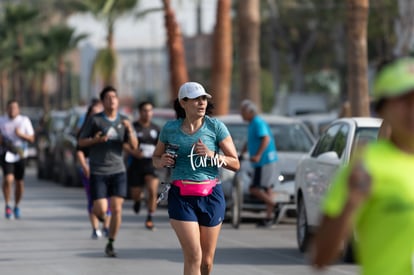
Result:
[[141, 172]]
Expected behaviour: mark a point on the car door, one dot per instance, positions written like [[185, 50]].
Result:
[[322, 164]]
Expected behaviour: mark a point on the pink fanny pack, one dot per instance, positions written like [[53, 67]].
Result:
[[195, 188]]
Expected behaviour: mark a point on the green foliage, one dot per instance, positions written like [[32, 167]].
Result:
[[267, 91], [381, 30], [105, 64], [59, 39]]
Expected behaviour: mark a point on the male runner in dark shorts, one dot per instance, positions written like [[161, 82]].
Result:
[[141, 172], [105, 134], [16, 131]]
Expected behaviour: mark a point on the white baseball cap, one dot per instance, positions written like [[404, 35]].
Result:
[[192, 90]]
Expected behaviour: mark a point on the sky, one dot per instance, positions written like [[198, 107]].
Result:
[[148, 31]]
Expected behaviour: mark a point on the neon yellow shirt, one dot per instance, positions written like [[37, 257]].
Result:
[[384, 224]]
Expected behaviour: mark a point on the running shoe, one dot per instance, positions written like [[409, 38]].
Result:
[[110, 251], [8, 212], [96, 234], [16, 212], [149, 224], [137, 207], [105, 232], [266, 223]]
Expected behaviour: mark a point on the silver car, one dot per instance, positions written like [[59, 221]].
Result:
[[314, 174], [293, 141]]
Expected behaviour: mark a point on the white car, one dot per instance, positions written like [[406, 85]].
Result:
[[314, 173], [293, 141]]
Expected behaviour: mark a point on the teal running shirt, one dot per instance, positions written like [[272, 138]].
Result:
[[188, 165]]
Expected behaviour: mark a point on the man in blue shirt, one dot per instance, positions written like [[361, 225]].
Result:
[[263, 156]]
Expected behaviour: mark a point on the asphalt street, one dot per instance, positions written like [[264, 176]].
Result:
[[53, 237]]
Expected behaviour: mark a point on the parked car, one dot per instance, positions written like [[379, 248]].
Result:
[[293, 140], [66, 167], [315, 171], [47, 134]]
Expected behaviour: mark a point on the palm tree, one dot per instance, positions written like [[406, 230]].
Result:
[[108, 11], [60, 40], [357, 58], [6, 61], [175, 45], [222, 58], [249, 40], [17, 20]]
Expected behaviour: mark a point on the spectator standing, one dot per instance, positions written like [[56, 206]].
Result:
[[82, 154], [105, 134], [196, 145], [263, 156], [372, 198], [141, 171], [16, 132]]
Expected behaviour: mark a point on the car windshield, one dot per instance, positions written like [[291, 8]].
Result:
[[58, 123], [288, 137], [365, 135]]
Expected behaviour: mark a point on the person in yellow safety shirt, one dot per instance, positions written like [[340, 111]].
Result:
[[371, 200]]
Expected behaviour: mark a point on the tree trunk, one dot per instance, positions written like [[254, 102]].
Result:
[[357, 20], [249, 39], [60, 84], [175, 45], [4, 82], [222, 58], [110, 44], [298, 85], [45, 93]]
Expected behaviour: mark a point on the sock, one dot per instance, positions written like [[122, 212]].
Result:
[[110, 241]]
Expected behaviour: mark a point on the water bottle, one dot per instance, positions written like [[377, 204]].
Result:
[[164, 193]]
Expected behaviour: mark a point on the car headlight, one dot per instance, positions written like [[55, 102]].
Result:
[[286, 177]]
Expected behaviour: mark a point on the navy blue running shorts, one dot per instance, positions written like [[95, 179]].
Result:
[[104, 186], [207, 211]]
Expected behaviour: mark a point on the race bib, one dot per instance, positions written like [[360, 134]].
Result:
[[147, 150]]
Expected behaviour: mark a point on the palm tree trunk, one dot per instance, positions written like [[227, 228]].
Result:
[[4, 90], [60, 83], [175, 45], [45, 93], [357, 20], [249, 35], [111, 47], [222, 58]]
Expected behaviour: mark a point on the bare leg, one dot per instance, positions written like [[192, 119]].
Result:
[[188, 234], [116, 218], [152, 187], [99, 208], [7, 187], [136, 195], [266, 197], [18, 192], [208, 238], [94, 221]]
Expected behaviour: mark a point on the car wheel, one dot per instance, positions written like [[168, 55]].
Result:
[[236, 195], [302, 228], [40, 174]]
